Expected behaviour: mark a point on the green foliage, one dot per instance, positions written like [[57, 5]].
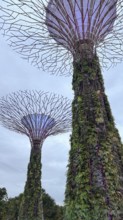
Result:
[[95, 177], [31, 205], [50, 209], [3, 194], [11, 206], [3, 200]]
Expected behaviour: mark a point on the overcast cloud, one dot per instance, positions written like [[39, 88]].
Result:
[[17, 74]]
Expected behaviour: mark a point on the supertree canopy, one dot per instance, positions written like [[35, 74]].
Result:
[[49, 33], [38, 125], [37, 115], [73, 23]]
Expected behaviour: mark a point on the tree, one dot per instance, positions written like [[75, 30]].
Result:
[[3, 202], [51, 210], [10, 207], [13, 206]]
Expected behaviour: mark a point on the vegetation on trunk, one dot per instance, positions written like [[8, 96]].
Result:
[[31, 205], [95, 172]]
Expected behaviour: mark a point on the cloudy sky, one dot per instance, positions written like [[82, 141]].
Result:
[[17, 74]]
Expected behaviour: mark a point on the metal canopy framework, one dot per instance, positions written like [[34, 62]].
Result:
[[38, 125], [74, 21], [52, 44], [36, 114]]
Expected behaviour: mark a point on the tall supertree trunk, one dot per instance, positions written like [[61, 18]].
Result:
[[95, 172], [31, 207]]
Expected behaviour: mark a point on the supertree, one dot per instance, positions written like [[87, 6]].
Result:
[[54, 32], [27, 23], [37, 115]]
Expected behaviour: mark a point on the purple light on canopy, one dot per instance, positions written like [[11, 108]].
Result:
[[72, 21], [38, 125], [36, 114], [49, 33]]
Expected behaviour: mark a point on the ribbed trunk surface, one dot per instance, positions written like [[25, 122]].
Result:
[[95, 172], [31, 206]]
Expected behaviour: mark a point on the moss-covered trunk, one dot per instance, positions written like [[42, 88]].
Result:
[[95, 172], [31, 206]]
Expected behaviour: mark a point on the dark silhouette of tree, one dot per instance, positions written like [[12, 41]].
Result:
[[3, 199]]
